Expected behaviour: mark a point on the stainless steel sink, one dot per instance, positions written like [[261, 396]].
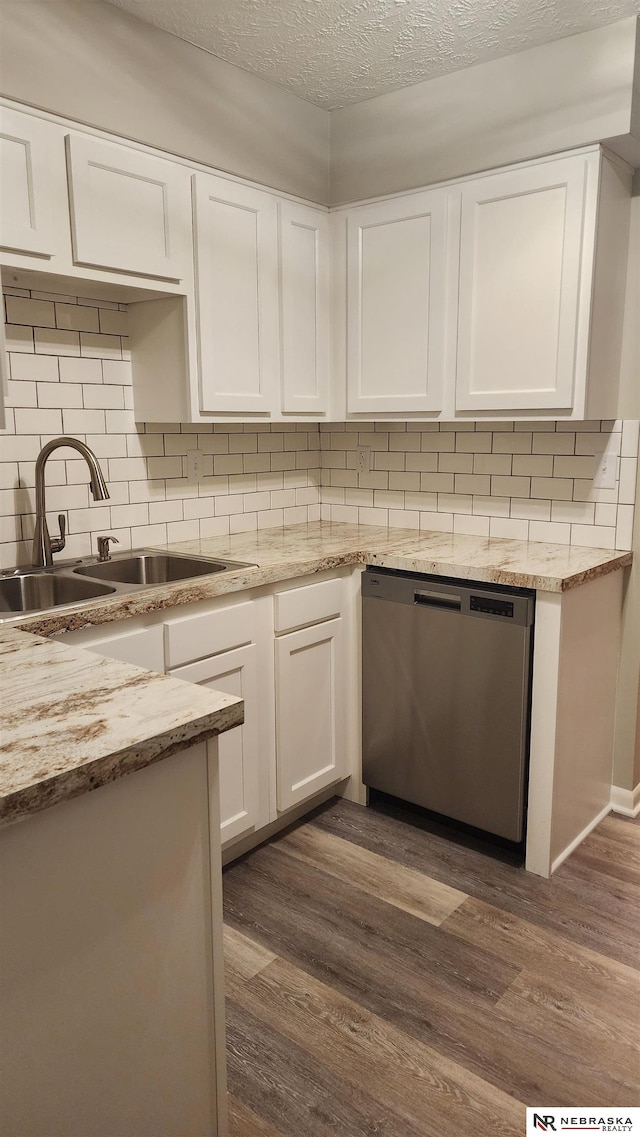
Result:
[[147, 567], [35, 591]]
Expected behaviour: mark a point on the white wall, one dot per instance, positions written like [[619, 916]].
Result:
[[91, 62], [569, 93]]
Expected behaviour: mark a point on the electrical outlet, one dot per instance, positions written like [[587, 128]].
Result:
[[194, 465], [364, 459], [606, 473]]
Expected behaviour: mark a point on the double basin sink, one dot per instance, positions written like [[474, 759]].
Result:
[[38, 590]]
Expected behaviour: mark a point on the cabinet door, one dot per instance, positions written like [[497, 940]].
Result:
[[310, 711], [525, 274], [237, 274], [304, 301], [396, 300], [29, 149], [129, 211], [242, 807]]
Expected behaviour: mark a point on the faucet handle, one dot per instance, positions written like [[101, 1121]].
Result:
[[58, 543], [103, 547]]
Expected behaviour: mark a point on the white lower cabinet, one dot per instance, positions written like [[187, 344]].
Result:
[[287, 652], [310, 711], [243, 808]]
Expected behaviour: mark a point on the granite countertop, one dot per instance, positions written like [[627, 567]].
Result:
[[73, 720], [300, 550]]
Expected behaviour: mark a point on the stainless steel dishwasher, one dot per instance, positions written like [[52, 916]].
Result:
[[446, 696]]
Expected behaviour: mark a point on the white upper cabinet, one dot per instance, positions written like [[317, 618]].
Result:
[[31, 152], [303, 234], [396, 300], [526, 258], [130, 211], [237, 282]]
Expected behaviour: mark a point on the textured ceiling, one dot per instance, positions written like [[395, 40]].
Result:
[[333, 52]]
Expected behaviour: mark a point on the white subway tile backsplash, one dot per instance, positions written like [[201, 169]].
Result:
[[511, 486], [548, 443], [96, 346], [624, 527], [74, 370], [31, 421], [473, 484], [430, 463], [554, 488], [113, 323], [491, 464], [19, 337], [533, 465], [465, 477], [83, 422], [73, 317], [62, 395], [440, 522], [34, 368], [627, 488], [51, 341], [569, 466], [579, 512], [118, 371], [148, 535], [21, 394], [105, 397], [455, 463], [516, 443], [630, 439], [598, 536], [557, 533], [37, 313], [475, 526], [509, 527]]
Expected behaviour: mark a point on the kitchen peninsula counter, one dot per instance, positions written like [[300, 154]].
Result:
[[73, 721]]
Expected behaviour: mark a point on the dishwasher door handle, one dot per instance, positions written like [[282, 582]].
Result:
[[437, 599]]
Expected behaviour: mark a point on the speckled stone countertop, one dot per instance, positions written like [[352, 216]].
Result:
[[73, 721], [300, 550]]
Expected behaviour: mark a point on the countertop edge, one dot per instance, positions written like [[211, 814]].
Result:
[[162, 597], [66, 785]]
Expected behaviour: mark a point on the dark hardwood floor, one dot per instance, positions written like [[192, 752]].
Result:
[[386, 979]]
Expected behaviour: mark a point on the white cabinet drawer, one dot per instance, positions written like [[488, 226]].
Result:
[[299, 607], [188, 638], [143, 647]]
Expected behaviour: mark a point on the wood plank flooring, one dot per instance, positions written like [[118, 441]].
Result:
[[387, 979]]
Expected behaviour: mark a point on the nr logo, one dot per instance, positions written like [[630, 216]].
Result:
[[545, 1122]]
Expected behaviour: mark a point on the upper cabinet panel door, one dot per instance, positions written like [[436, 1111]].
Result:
[[129, 211], [237, 280], [526, 260], [304, 299], [29, 150], [396, 266]]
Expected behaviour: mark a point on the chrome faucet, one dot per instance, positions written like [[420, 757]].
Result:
[[43, 545]]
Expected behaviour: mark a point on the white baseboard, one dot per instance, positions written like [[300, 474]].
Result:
[[626, 802], [580, 838]]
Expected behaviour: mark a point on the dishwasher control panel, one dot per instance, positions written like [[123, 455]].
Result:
[[491, 606]]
